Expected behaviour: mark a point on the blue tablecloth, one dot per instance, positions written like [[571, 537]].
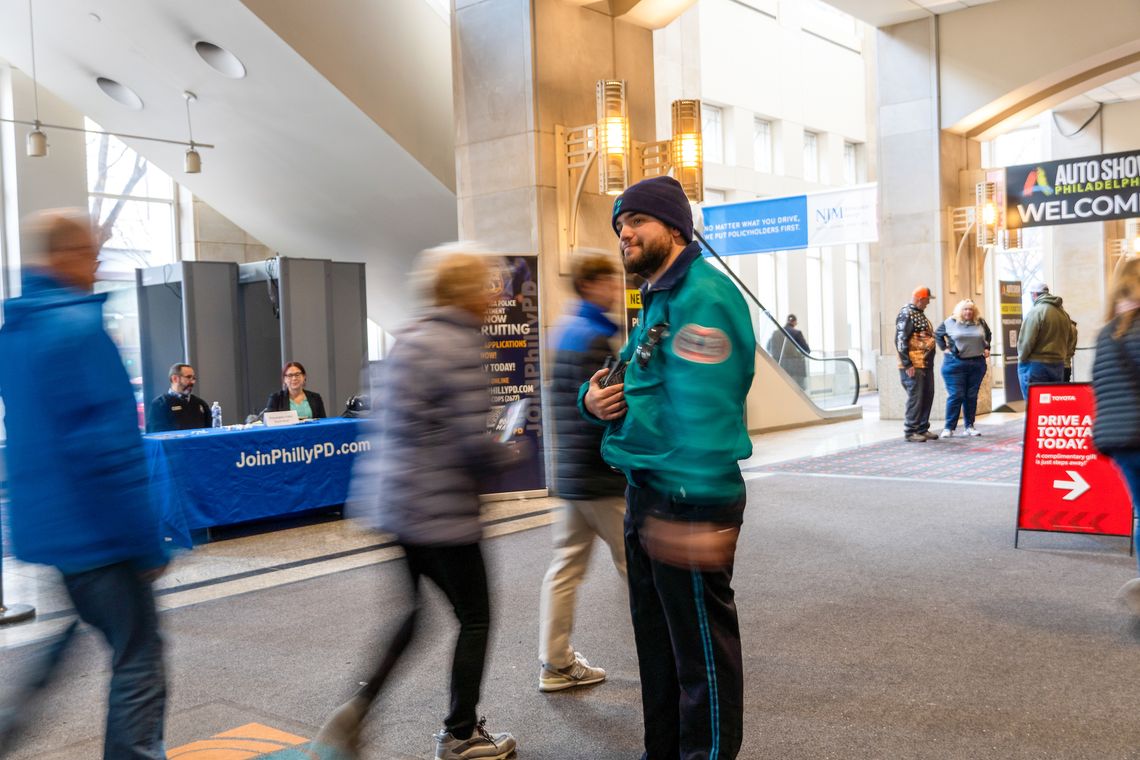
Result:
[[204, 478]]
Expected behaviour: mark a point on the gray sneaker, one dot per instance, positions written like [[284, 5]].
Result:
[[577, 673], [481, 745]]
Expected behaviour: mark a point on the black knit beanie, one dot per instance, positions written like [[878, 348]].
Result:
[[659, 197]]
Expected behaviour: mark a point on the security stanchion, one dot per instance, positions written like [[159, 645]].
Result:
[[11, 613]]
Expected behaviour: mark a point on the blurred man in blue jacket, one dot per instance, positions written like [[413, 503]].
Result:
[[77, 477]]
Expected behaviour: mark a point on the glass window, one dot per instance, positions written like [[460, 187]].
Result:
[[132, 202], [850, 163], [712, 132], [814, 329], [762, 145], [811, 156]]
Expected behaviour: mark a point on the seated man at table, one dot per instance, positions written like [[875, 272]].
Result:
[[178, 408]]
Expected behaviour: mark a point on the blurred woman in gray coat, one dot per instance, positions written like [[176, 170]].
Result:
[[1116, 383], [421, 482]]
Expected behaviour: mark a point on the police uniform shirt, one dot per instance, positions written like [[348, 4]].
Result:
[[177, 411]]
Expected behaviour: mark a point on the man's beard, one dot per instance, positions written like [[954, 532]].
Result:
[[654, 253]]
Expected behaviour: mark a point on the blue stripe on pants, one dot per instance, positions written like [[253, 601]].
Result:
[[710, 662]]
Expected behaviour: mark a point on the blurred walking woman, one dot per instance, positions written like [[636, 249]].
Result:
[[965, 341], [421, 482], [1116, 383]]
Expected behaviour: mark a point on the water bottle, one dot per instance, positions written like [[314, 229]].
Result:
[[216, 415]]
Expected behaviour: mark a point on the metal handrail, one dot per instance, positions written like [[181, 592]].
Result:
[[788, 339]]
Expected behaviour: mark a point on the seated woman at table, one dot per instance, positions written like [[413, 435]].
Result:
[[307, 404]]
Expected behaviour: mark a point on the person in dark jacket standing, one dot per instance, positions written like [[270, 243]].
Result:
[[294, 395], [77, 476], [178, 408], [1116, 383], [430, 454], [787, 355], [914, 341], [965, 339], [1044, 341], [594, 494], [675, 428]]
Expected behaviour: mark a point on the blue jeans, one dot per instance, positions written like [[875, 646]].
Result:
[[963, 378], [1039, 372], [1128, 460], [119, 603]]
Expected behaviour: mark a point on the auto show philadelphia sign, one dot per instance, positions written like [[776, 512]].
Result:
[[1087, 189]]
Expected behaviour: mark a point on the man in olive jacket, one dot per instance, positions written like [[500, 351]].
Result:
[[1044, 341], [675, 428]]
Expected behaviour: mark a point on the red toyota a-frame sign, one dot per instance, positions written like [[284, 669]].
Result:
[[1067, 486]]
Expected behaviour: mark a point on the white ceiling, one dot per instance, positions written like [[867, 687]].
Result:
[[297, 164], [879, 13], [1118, 91]]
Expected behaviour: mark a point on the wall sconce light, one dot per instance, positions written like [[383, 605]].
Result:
[[612, 132], [985, 214], [688, 148], [986, 219], [607, 141], [683, 155], [1127, 247]]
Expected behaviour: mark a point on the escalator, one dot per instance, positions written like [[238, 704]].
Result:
[[793, 387]]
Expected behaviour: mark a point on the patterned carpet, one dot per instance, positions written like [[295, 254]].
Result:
[[995, 457]]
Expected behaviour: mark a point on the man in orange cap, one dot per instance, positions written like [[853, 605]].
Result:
[[914, 341]]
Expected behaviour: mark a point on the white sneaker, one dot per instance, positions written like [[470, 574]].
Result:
[[946, 433], [578, 673], [970, 431]]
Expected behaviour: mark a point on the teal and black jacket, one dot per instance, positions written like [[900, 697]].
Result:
[[690, 365]]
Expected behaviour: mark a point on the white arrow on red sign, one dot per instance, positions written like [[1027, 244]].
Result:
[[1075, 487]]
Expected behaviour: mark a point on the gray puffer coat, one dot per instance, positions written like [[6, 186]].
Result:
[[430, 447]]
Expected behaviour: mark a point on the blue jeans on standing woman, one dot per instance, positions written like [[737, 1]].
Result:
[[1128, 460], [963, 378]]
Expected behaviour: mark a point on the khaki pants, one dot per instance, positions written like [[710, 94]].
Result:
[[574, 534]]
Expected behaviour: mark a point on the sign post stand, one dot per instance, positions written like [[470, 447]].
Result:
[[1067, 486]]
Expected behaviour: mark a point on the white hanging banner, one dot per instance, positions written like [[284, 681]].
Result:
[[843, 217]]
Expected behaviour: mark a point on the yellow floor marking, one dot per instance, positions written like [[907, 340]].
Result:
[[241, 743]]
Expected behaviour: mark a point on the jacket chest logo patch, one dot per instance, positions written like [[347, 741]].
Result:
[[703, 345]]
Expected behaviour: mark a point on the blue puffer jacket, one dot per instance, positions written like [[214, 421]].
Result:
[[77, 476]]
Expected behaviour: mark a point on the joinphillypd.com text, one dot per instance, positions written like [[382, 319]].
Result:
[[299, 454]]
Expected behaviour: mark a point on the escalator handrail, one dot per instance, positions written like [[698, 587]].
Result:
[[788, 337]]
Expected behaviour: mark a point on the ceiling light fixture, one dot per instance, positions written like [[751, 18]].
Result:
[[193, 161], [37, 146]]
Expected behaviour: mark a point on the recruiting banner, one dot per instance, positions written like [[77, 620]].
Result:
[[1067, 486], [511, 357], [1010, 328], [834, 217], [1073, 190]]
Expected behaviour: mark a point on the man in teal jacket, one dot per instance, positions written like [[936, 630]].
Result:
[[675, 428], [76, 473]]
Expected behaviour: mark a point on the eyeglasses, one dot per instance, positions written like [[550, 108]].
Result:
[[189, 377], [646, 348], [294, 374]]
